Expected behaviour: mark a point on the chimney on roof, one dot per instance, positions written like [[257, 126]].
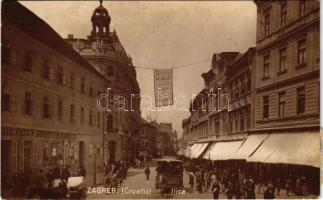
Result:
[[70, 36]]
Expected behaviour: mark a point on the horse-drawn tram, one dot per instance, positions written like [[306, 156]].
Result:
[[169, 177]]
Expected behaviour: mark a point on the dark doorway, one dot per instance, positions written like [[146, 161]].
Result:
[[112, 151], [5, 157], [81, 152], [28, 147]]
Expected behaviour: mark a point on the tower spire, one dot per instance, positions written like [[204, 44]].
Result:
[[100, 22]]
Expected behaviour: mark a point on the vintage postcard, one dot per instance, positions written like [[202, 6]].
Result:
[[160, 99]]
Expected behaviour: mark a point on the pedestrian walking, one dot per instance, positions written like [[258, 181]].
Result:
[[238, 190], [269, 192], [56, 172], [17, 177], [230, 190], [191, 180], [289, 184], [216, 189], [126, 168], [261, 181], [81, 171], [25, 181], [147, 172], [250, 189], [36, 187], [65, 174], [50, 176], [207, 180], [120, 176], [304, 186], [199, 182], [278, 186]]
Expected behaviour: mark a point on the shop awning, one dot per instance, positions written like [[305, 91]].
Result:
[[197, 149], [290, 148], [207, 154], [192, 149], [222, 150], [249, 145]]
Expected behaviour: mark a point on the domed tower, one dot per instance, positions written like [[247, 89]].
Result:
[[100, 22]]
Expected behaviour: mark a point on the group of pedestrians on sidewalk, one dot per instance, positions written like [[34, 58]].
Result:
[[240, 183]]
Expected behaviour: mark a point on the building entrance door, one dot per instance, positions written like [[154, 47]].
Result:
[[81, 152], [28, 155], [112, 151], [5, 157]]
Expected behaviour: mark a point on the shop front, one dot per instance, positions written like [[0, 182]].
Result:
[[30, 149]]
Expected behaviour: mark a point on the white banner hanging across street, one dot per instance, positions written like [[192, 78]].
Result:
[[163, 85]]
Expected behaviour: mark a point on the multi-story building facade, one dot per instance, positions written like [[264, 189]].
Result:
[[287, 75], [274, 95], [103, 49], [49, 114], [239, 84], [222, 110]]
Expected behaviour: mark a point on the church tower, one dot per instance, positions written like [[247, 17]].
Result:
[[100, 22]]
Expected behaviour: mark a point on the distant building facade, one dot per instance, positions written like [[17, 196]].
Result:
[[103, 49], [222, 110], [147, 138], [164, 139], [186, 134], [49, 115]]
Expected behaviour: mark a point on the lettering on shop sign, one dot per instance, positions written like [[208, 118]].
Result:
[[20, 132]]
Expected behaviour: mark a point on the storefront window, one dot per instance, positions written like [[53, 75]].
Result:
[[46, 154], [71, 152], [54, 153]]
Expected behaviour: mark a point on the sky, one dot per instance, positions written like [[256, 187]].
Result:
[[163, 34]]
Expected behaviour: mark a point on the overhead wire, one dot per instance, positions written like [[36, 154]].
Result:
[[176, 67]]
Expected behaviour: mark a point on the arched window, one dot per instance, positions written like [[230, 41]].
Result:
[[97, 29], [110, 123], [104, 29]]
